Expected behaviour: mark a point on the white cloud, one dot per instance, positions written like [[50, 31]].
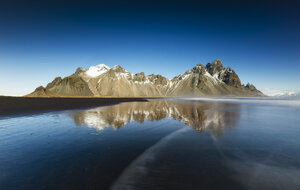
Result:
[[276, 92]]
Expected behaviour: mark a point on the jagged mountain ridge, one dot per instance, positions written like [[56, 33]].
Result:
[[100, 80]]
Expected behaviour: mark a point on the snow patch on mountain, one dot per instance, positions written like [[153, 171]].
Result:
[[118, 76], [147, 81], [97, 70], [214, 78]]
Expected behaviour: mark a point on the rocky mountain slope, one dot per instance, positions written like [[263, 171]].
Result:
[[210, 80]]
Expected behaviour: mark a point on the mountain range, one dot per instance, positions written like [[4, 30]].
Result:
[[101, 81]]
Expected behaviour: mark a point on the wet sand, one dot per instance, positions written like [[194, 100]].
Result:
[[25, 105], [159, 144]]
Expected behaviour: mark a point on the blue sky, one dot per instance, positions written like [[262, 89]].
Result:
[[40, 40]]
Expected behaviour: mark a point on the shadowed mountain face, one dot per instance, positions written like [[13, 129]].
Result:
[[100, 80], [201, 116]]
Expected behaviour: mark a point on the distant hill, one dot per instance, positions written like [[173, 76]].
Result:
[[281, 93], [210, 80]]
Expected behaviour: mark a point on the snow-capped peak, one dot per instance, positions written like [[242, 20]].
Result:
[[97, 70]]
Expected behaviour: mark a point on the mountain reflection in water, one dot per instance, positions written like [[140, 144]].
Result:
[[208, 116], [160, 144]]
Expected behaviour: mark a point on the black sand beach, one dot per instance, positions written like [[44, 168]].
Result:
[[25, 105]]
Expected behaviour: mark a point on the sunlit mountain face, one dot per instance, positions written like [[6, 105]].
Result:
[[201, 116]]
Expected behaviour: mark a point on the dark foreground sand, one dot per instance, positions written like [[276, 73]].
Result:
[[24, 105]]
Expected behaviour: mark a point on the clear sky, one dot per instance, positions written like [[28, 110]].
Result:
[[42, 39]]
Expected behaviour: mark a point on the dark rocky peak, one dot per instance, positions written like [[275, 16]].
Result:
[[158, 79], [55, 82], [118, 69], [79, 70], [217, 62], [140, 74], [250, 87], [139, 77], [231, 78], [199, 68], [229, 70], [40, 88], [57, 79], [39, 91], [215, 67], [153, 76]]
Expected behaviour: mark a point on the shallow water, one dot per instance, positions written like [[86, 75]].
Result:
[[161, 144]]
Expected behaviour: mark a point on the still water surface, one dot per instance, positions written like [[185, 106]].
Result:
[[160, 144]]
